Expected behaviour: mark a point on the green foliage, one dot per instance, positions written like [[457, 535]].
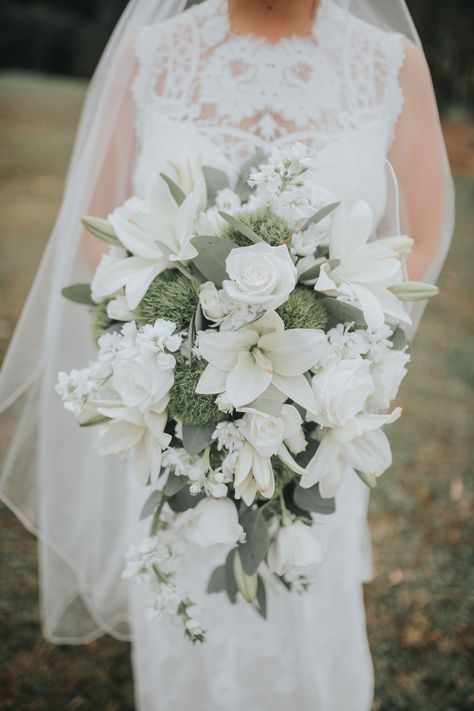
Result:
[[185, 404], [303, 310], [264, 223], [170, 296], [99, 321], [283, 475], [257, 541]]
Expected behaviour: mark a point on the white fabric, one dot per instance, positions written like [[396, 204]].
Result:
[[346, 82]]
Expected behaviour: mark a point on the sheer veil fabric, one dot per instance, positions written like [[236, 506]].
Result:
[[75, 501]]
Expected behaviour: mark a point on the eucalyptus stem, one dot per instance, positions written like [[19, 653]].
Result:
[[156, 517]]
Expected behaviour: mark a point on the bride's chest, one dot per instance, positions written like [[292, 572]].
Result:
[[226, 100]]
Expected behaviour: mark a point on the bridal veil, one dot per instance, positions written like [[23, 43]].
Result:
[[52, 479]]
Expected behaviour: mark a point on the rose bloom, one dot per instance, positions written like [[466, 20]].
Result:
[[341, 391], [260, 274], [215, 521], [295, 550]]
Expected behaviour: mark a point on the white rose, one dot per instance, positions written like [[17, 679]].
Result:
[[215, 521], [387, 375], [144, 382], [295, 550], [264, 432], [260, 274], [341, 391], [215, 304]]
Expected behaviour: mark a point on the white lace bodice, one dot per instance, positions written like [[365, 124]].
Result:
[[204, 88]]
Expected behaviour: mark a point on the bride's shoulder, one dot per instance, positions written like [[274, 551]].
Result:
[[180, 26]]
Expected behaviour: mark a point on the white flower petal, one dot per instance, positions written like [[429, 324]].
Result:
[[247, 380]]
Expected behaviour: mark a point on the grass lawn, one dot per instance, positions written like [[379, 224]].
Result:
[[421, 600]]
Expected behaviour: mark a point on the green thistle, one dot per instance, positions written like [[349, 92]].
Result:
[[100, 322], [265, 223], [185, 404], [303, 310], [170, 296]]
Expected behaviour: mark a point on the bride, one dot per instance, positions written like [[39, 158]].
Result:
[[223, 78]]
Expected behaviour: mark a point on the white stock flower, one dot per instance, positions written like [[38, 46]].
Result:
[[295, 551], [305, 243], [228, 200], [244, 363], [157, 232], [365, 269], [361, 444], [260, 275], [153, 339], [341, 392], [142, 433], [387, 374], [215, 521]]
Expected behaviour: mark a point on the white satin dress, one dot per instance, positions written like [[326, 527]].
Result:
[[203, 88]]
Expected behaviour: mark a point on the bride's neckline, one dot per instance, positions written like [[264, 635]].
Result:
[[263, 40]]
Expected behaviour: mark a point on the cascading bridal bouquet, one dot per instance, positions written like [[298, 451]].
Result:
[[250, 342]]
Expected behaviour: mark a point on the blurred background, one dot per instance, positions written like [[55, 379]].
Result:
[[421, 603]]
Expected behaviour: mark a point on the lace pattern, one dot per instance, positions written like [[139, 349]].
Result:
[[242, 92]]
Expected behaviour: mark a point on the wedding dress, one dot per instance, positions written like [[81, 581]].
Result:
[[200, 87]]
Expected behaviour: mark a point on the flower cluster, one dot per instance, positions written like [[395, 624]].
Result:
[[252, 346]]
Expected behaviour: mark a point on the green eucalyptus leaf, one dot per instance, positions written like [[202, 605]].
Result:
[[198, 318], [243, 229], [260, 601], [230, 582], [313, 272], [218, 580], [305, 457], [257, 542], [341, 312], [102, 229], [151, 504], [215, 180], [79, 293], [197, 437], [184, 500], [176, 192], [174, 484], [320, 215], [212, 253], [311, 500]]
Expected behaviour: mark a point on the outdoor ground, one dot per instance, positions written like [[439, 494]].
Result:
[[421, 601]]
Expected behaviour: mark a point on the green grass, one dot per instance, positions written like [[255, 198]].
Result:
[[419, 604]]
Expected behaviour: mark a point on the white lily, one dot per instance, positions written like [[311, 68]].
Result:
[[265, 436], [361, 444], [142, 433], [242, 364], [365, 270], [157, 232]]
